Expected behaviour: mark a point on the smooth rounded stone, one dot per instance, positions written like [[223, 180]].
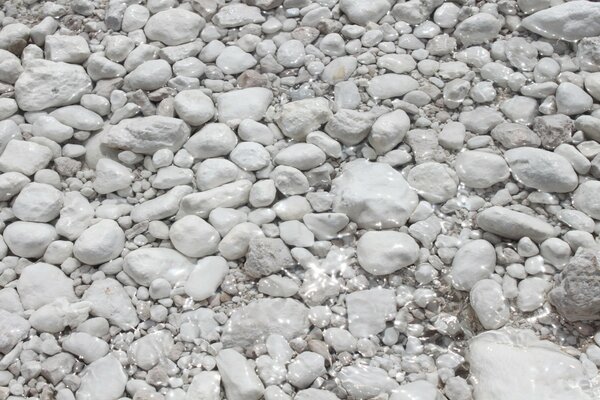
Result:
[[213, 140], [583, 17], [303, 156], [473, 262], [206, 277], [388, 131], [295, 233], [542, 170], [147, 135], [161, 207], [433, 181], [267, 256], [8, 107], [350, 127], [298, 118], [9, 130], [477, 29], [194, 237], [38, 202], [511, 135], [250, 103], [104, 241], [481, 120], [150, 75], [10, 67], [11, 184], [418, 390], [397, 63], [368, 311], [514, 224], [29, 239], [360, 13], [174, 26], [13, 329], [252, 131], [521, 54], [254, 322], [385, 252], [194, 107], [134, 17], [109, 300], [339, 69], [205, 385], [587, 198], [41, 283], [305, 368], [147, 264], [86, 346], [49, 127], [532, 293], [326, 226], [250, 156], [490, 305], [571, 99], [277, 286], [339, 339], [45, 84], [111, 176], [147, 351], [239, 377], [24, 157], [233, 60], [291, 53], [387, 86], [236, 15], [481, 169], [290, 181], [539, 368], [592, 84], [589, 125], [373, 195], [520, 109], [104, 379]]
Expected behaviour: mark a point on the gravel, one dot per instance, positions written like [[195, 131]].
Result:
[[286, 199]]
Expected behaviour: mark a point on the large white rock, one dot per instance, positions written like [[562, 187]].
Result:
[[151, 349], [147, 264], [473, 262], [490, 304], [194, 107], [481, 169], [513, 224], [250, 103], [386, 86], [206, 386], [587, 198], [24, 157], [147, 135], [101, 242], [368, 311], [254, 322], [542, 169], [384, 252], [361, 12], [374, 195], [231, 195], [239, 378], [364, 381], [41, 283], [194, 237], [75, 216], [174, 26], [514, 364], [435, 182], [29, 239], [238, 14], [109, 300], [418, 390], [206, 277], [478, 29], [298, 118], [111, 176], [571, 21], [38, 202], [104, 379], [45, 84]]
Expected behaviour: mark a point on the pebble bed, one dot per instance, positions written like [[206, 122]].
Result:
[[299, 199]]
